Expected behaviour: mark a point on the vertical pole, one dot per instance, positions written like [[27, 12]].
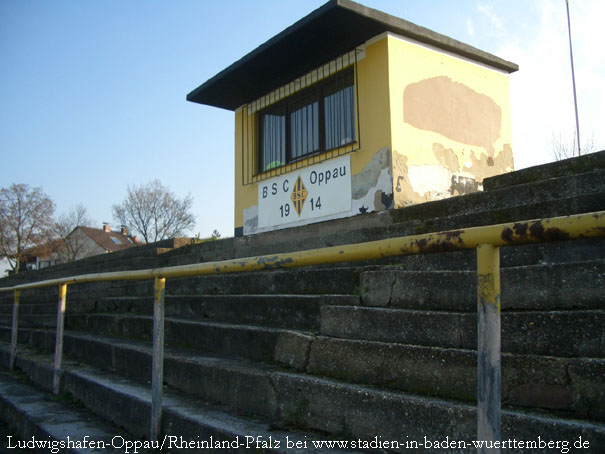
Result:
[[573, 79], [157, 366], [488, 345], [59, 338], [14, 331]]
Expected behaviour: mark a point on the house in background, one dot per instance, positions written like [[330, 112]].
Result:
[[87, 241], [41, 256], [80, 243], [351, 110]]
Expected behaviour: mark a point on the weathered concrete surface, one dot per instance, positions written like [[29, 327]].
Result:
[[528, 380], [527, 332], [292, 350], [318, 403], [384, 348], [583, 164], [574, 186], [431, 329], [553, 287], [254, 342], [127, 404], [35, 416], [284, 311]]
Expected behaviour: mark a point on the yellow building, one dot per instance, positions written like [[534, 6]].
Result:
[[350, 111]]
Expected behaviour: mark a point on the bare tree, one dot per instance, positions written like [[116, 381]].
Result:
[[74, 244], [25, 221], [154, 212], [561, 149]]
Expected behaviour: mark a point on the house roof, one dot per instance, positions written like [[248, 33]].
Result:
[[44, 250], [328, 32], [110, 241]]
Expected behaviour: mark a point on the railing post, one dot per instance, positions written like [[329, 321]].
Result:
[[488, 345], [14, 331], [157, 366], [59, 338]]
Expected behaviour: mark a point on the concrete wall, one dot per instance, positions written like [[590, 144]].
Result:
[[450, 122]]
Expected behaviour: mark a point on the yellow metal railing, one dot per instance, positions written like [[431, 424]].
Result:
[[487, 240]]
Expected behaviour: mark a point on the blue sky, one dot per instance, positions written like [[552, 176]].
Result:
[[92, 93]]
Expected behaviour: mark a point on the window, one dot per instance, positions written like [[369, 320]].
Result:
[[317, 119]]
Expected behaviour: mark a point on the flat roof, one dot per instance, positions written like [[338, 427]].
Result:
[[328, 32]]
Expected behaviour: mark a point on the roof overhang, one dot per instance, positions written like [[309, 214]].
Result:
[[328, 32]]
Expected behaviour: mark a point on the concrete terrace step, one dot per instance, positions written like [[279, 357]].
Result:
[[527, 332], [338, 280], [562, 195], [558, 189], [586, 163], [512, 197], [37, 417], [253, 342], [584, 203], [448, 214], [567, 384], [536, 287], [46, 308], [311, 403], [30, 320], [184, 420], [563, 384], [284, 311]]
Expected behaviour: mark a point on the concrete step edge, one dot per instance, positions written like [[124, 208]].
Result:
[[569, 384], [183, 416], [571, 166], [27, 412], [447, 407]]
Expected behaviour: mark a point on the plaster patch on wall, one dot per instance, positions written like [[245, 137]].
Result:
[[250, 219], [430, 181], [487, 166], [453, 110], [447, 157], [464, 185], [380, 197], [382, 200], [404, 194], [366, 180]]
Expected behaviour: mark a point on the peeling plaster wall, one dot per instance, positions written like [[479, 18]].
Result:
[[371, 190], [371, 165], [450, 119], [431, 125]]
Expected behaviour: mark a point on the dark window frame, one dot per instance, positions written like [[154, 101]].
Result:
[[317, 92]]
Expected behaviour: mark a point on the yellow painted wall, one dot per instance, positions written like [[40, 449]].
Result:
[[245, 196], [374, 131], [431, 125], [450, 117], [373, 109]]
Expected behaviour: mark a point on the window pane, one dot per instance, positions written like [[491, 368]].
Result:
[[339, 111], [274, 141], [304, 130]]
